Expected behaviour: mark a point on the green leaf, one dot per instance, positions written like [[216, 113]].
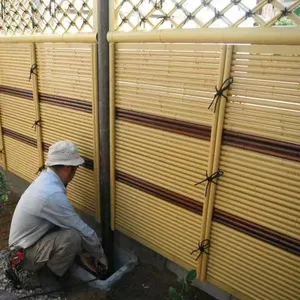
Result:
[[172, 292], [4, 198], [191, 275]]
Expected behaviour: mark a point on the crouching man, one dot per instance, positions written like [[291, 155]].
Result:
[[45, 226]]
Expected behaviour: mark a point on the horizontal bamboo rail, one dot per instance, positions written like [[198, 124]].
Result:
[[51, 38], [267, 36]]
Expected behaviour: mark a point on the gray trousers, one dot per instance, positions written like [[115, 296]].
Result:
[[56, 250]]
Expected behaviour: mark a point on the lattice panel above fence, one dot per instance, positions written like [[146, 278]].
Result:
[[164, 14], [45, 16]]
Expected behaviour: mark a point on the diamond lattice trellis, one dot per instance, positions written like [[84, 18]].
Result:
[[164, 14], [45, 16]]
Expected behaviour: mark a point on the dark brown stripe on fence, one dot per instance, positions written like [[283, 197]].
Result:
[[262, 233], [262, 145], [162, 193], [166, 124], [17, 92], [66, 102], [19, 137], [88, 163]]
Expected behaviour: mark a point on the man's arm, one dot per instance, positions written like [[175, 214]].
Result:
[[58, 210]]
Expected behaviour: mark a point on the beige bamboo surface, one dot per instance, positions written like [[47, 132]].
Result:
[[51, 38], [2, 146], [212, 151], [112, 131], [260, 188], [279, 101], [158, 80], [15, 64], [18, 114], [22, 159], [96, 130], [267, 36], [174, 164], [35, 90], [170, 229], [65, 70], [252, 267], [217, 153]]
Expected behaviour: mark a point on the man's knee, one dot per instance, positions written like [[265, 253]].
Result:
[[70, 238]]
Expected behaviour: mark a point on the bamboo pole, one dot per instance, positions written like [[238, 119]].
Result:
[[96, 130], [216, 160], [112, 132], [2, 146], [95, 16], [267, 36], [212, 150], [35, 90], [51, 38]]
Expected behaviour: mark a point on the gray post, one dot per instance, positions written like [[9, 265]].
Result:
[[103, 75]]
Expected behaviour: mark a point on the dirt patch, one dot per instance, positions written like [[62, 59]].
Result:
[[148, 283]]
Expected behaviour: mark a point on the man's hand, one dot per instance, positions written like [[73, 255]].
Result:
[[101, 264]]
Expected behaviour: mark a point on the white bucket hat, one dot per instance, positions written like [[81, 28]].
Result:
[[64, 153]]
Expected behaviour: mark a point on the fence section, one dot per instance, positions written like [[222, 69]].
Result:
[[162, 140], [61, 79], [17, 110], [255, 232], [166, 138]]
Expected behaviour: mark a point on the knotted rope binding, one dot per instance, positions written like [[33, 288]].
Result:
[[220, 92], [202, 248], [210, 179], [32, 71]]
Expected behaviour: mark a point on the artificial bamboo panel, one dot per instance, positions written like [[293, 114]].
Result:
[[60, 123], [21, 158], [81, 190], [172, 230], [265, 92], [252, 267], [173, 80], [67, 92], [65, 70], [18, 114], [15, 64], [258, 192], [169, 160]]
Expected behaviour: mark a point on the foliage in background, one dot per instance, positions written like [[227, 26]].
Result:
[[284, 21], [184, 286], [4, 191]]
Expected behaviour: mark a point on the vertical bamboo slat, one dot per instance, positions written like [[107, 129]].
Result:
[[216, 159], [96, 129], [212, 149], [112, 132], [2, 147], [36, 107]]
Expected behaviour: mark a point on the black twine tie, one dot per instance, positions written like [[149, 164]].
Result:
[[41, 169], [220, 92], [32, 71], [36, 123], [210, 179], [202, 248]]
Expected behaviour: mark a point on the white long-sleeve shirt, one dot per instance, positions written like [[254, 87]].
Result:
[[43, 206]]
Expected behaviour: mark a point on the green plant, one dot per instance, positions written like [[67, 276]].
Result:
[[184, 286], [4, 191], [284, 21]]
